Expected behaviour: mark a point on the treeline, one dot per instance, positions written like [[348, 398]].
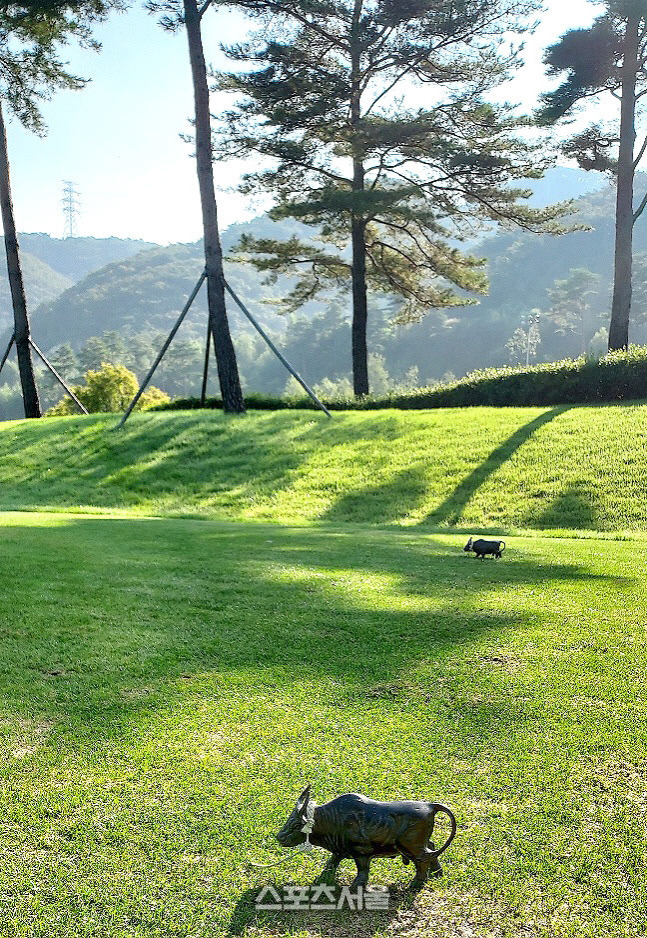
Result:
[[378, 125], [566, 281]]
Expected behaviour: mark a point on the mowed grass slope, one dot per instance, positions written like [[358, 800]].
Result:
[[168, 686], [506, 468]]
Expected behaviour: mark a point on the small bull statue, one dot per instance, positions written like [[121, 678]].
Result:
[[357, 828], [481, 547]]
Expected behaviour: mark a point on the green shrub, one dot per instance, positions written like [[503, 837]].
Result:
[[619, 376], [110, 390]]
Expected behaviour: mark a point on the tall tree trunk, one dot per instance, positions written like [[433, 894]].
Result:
[[228, 376], [621, 306], [358, 223], [360, 310], [18, 300]]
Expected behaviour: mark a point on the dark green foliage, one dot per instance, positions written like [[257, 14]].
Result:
[[32, 65], [252, 402], [608, 58], [590, 58], [619, 376], [140, 299]]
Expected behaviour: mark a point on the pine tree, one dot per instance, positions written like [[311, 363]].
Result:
[[32, 33], [609, 58], [188, 15], [391, 189]]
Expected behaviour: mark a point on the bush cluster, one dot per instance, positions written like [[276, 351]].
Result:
[[110, 390], [619, 376]]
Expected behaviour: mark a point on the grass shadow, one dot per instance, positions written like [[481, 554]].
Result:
[[571, 509], [134, 614], [389, 502], [450, 511]]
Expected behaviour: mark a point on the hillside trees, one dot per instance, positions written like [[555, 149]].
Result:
[[392, 188], [187, 14], [31, 35], [608, 58], [524, 342], [575, 305]]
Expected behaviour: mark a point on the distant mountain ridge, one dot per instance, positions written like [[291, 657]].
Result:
[[52, 265], [75, 258], [145, 293]]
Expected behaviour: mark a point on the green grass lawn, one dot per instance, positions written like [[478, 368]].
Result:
[[505, 468], [167, 687]]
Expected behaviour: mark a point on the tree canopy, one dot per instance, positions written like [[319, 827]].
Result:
[[610, 57], [32, 34], [393, 188]]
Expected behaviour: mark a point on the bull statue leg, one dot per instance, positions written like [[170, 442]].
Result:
[[426, 862], [329, 871], [363, 869]]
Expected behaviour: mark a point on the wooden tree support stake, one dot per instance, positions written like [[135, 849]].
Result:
[[205, 375], [311, 394], [6, 354], [60, 380], [49, 365], [173, 332], [163, 350]]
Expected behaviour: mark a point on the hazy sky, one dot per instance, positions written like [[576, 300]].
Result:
[[118, 139]]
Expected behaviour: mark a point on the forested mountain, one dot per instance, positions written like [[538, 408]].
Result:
[[123, 311], [144, 293], [75, 258], [42, 284], [51, 265]]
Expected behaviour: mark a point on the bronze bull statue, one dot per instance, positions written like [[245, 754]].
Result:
[[482, 547], [358, 828]]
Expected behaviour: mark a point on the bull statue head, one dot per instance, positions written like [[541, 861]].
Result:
[[292, 834]]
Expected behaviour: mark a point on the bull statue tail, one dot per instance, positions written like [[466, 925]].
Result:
[[442, 809]]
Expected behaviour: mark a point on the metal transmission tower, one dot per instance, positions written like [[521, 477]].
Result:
[[71, 208]]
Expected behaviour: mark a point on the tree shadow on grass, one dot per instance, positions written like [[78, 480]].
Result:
[[98, 612], [450, 511], [571, 509], [153, 457], [424, 566], [388, 502], [138, 641]]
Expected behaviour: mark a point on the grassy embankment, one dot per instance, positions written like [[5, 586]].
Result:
[[533, 468]]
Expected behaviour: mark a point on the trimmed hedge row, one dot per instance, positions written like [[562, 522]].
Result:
[[618, 376], [253, 401]]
